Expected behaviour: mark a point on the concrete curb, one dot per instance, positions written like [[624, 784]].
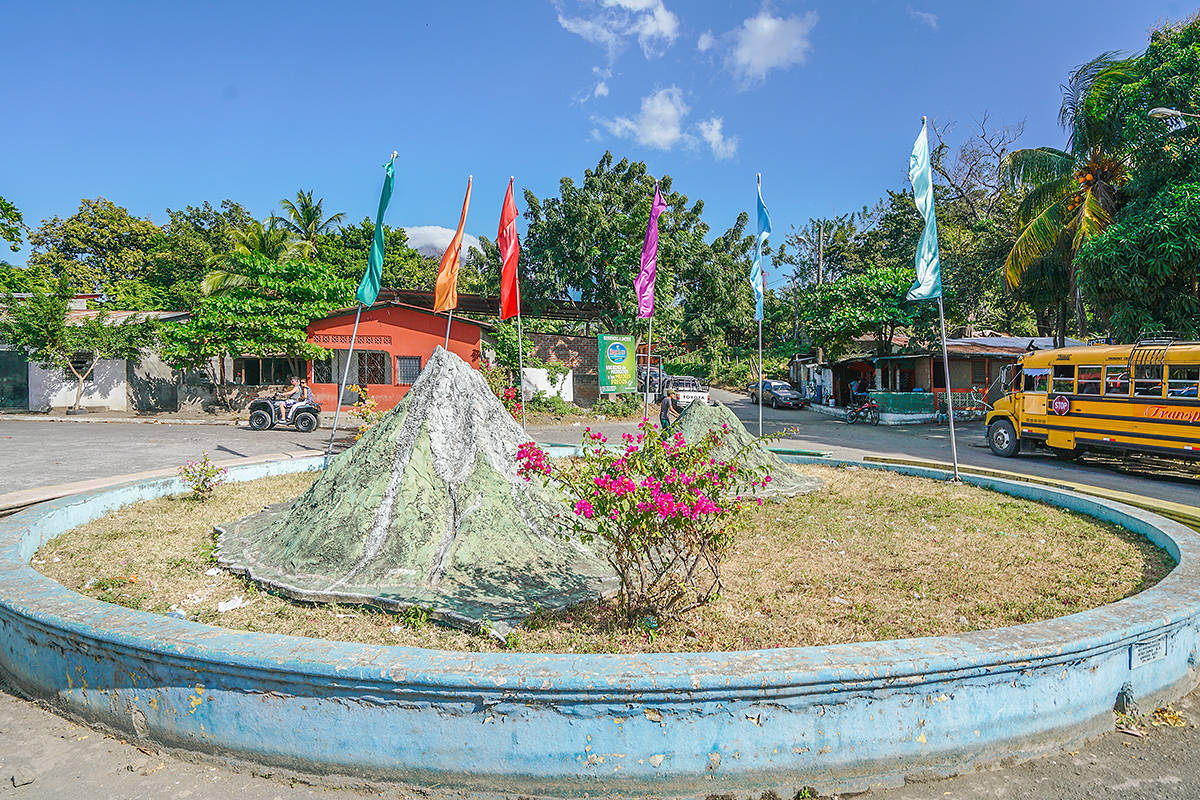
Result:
[[14, 501], [840, 718]]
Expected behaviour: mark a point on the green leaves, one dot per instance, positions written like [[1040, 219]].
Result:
[[12, 226], [265, 312]]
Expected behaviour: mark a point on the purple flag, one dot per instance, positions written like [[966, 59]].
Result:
[[644, 285]]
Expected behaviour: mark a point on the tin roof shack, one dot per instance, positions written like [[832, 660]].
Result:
[[393, 343], [122, 385], [975, 364]]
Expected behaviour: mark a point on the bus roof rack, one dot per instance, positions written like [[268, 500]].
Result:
[[1157, 338]]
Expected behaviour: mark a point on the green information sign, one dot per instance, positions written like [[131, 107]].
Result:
[[618, 373]]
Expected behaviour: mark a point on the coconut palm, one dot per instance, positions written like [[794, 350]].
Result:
[[306, 220], [1070, 195], [264, 238]]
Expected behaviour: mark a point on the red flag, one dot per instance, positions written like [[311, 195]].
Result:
[[446, 289], [510, 253]]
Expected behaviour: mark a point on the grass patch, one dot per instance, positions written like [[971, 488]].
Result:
[[874, 555]]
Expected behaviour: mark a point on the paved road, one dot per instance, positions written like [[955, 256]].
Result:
[[68, 760], [36, 454]]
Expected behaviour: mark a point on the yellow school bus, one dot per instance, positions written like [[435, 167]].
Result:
[[1139, 398]]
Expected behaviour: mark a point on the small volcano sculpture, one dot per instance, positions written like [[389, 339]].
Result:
[[699, 418], [425, 510]]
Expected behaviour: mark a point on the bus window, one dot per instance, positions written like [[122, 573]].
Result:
[[1147, 380], [1037, 379], [1089, 380], [1116, 380], [1064, 379], [1183, 381]]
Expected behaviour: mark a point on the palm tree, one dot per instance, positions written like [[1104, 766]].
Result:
[[306, 220], [1070, 195], [264, 238]]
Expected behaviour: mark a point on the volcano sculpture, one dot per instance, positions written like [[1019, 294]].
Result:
[[425, 510], [700, 418]]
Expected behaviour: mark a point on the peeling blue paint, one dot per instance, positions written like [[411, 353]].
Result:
[[841, 718]]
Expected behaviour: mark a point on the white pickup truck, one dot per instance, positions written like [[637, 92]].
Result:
[[688, 389]]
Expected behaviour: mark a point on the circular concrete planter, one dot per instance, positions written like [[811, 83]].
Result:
[[839, 718]]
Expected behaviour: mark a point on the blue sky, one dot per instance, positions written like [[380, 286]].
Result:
[[157, 105]]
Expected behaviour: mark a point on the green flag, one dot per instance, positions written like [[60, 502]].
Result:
[[368, 287]]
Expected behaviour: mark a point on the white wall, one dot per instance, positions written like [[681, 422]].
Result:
[[106, 390], [535, 380]]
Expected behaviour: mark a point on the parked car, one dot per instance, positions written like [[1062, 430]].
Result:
[[777, 394], [688, 388], [655, 379]]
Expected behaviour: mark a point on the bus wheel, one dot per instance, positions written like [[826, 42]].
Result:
[[1067, 454], [1002, 438]]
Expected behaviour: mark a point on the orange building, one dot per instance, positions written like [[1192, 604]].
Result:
[[393, 343]]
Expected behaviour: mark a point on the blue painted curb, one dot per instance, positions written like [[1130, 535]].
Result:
[[839, 718]]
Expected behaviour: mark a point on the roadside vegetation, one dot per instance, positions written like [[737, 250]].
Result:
[[873, 555]]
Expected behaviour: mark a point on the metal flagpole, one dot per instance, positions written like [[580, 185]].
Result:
[[646, 396], [446, 346], [760, 379], [337, 408], [949, 394], [520, 361]]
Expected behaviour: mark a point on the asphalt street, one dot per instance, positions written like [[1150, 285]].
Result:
[[63, 759]]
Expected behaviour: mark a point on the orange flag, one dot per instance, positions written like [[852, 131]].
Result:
[[446, 292]]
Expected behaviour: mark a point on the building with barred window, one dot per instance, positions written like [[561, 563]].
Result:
[[393, 342]]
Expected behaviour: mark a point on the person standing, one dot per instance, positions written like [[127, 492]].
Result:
[[670, 400]]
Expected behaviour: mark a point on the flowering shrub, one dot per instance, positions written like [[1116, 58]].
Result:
[[667, 511], [500, 382], [202, 477], [511, 401], [366, 408]]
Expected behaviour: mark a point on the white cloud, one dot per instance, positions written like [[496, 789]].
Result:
[[767, 42], [924, 17], [601, 90], [432, 240], [649, 21], [659, 124], [723, 146], [706, 42]]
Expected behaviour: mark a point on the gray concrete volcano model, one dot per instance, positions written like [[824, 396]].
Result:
[[699, 418], [425, 510]]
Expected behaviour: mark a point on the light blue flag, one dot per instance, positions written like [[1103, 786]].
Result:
[[756, 275], [929, 271]]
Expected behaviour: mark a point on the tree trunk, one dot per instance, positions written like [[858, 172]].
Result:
[[1060, 336], [1080, 314]]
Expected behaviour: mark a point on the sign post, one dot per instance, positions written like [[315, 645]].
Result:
[[618, 373]]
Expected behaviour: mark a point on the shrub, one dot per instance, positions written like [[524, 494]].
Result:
[[202, 477], [624, 405], [367, 409], [665, 509]]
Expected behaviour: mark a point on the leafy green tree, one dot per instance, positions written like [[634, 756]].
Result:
[[193, 239], [37, 328], [1143, 271], [587, 242], [268, 316], [266, 239], [97, 248], [347, 248], [305, 220], [1070, 195], [866, 303], [12, 225]]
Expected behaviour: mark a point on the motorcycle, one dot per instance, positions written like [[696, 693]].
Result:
[[264, 415], [867, 409]]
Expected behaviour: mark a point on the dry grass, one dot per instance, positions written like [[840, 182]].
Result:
[[874, 555]]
